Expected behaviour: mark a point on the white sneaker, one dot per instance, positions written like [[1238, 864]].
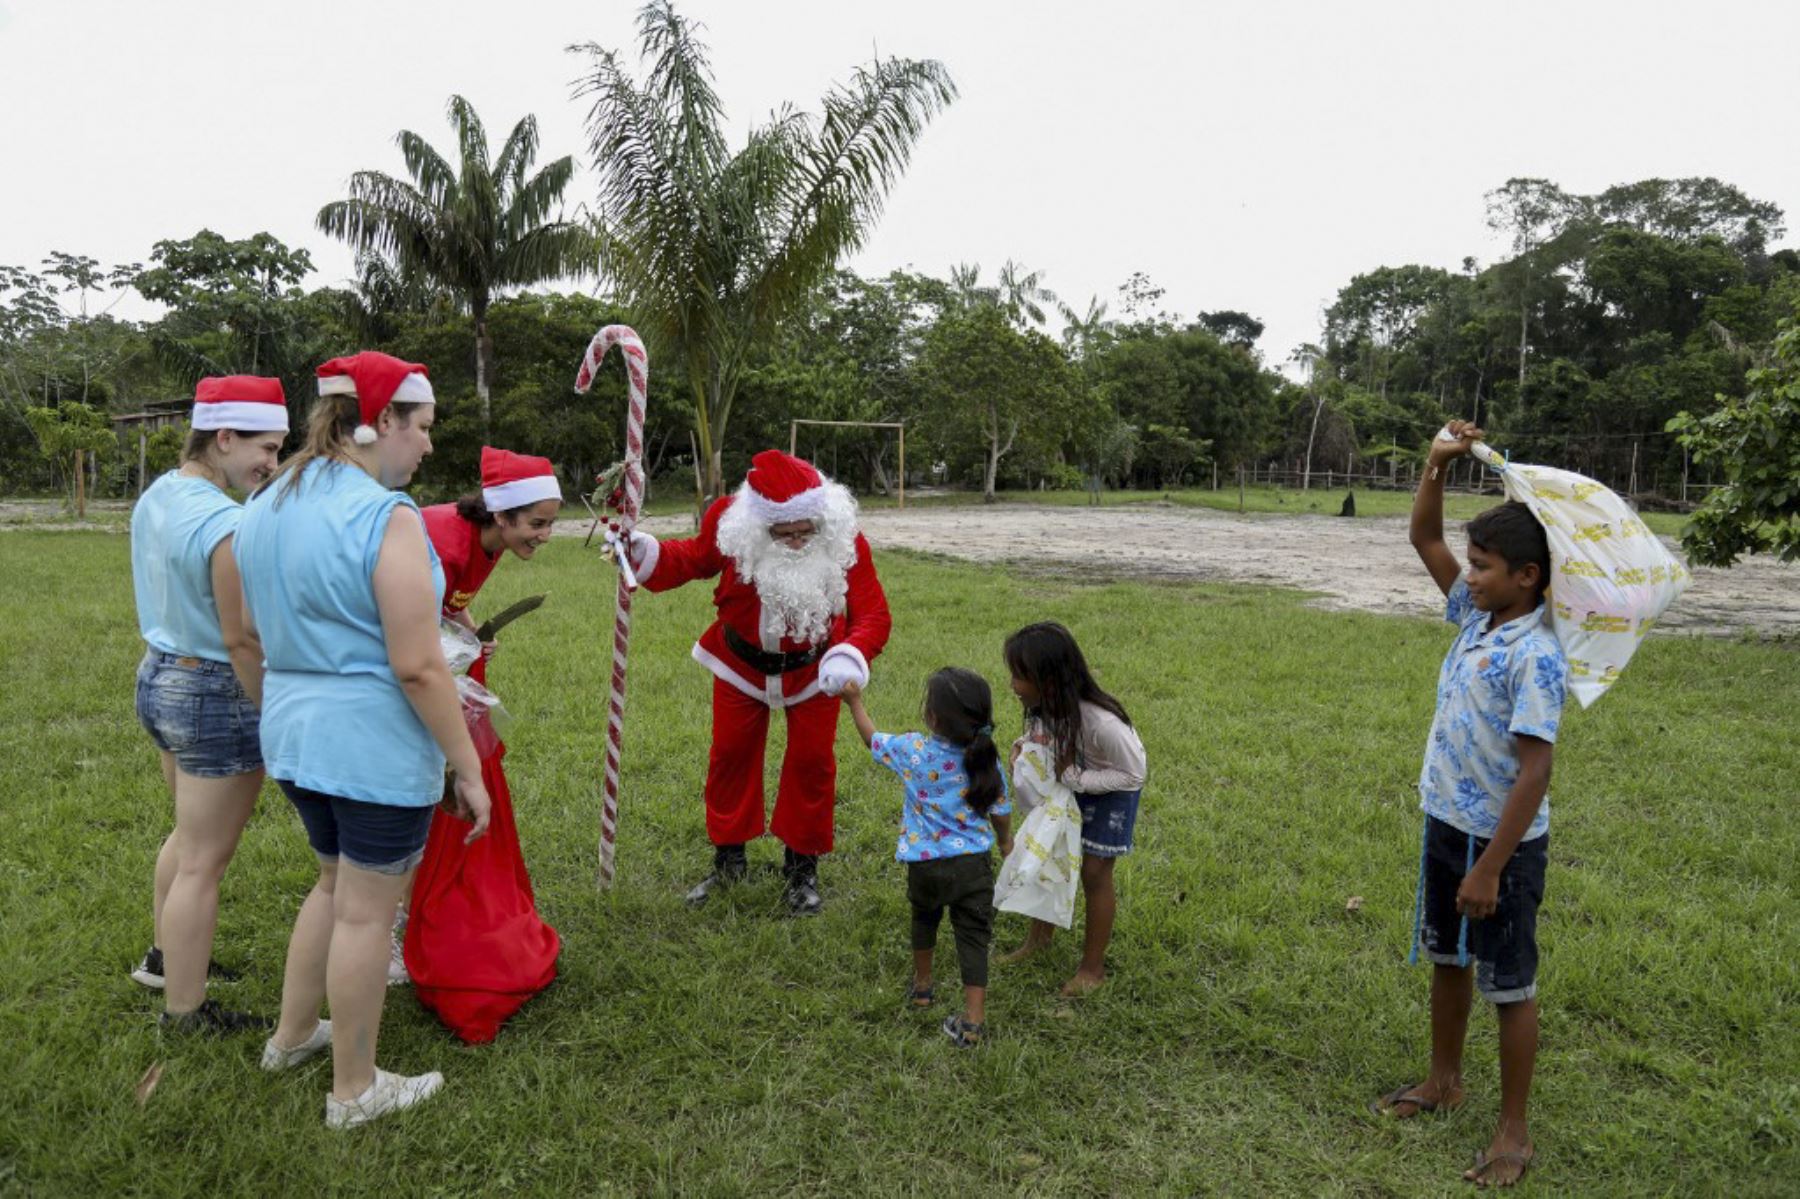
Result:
[[397, 975], [388, 1093], [274, 1057]]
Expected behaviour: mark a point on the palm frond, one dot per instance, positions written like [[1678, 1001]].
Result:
[[434, 177], [520, 150]]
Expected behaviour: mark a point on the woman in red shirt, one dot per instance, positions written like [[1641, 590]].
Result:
[[475, 948]]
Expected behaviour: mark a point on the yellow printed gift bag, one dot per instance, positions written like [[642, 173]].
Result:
[[1610, 576]]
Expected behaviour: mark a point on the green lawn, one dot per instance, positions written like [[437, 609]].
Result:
[[730, 1051]]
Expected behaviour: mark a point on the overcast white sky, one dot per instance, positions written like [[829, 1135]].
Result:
[[1245, 155]]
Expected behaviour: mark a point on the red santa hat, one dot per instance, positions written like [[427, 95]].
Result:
[[376, 380], [510, 480], [247, 403], [780, 488]]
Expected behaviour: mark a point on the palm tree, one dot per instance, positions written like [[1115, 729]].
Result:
[[1020, 294], [469, 230], [1081, 331], [710, 250]]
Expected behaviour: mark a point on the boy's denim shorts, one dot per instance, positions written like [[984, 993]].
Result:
[[1504, 946], [196, 709], [1107, 822], [385, 838]]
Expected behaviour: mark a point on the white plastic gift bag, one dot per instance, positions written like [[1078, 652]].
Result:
[[1610, 576], [487, 718], [1039, 877]]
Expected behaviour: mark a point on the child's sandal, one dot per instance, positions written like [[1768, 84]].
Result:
[[962, 1033], [919, 997]]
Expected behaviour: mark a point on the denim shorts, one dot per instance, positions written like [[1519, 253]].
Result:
[[1503, 946], [385, 838], [196, 709], [1107, 822]]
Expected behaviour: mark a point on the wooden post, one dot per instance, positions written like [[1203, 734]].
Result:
[[1684, 474], [80, 486], [1215, 474], [794, 438], [699, 487], [902, 504], [1634, 453], [1240, 487]]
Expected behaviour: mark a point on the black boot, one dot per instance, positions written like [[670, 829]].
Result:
[[802, 891], [729, 866]]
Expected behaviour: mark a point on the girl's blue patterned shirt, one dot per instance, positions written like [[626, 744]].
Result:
[[1495, 685], [936, 821]]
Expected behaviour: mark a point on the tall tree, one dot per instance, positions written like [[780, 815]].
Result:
[[710, 249], [1532, 212], [988, 384], [234, 307], [472, 229]]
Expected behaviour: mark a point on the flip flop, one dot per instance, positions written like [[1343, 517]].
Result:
[[1385, 1105], [1478, 1175], [919, 997]]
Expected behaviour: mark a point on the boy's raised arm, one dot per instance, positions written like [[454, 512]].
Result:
[[1427, 529]]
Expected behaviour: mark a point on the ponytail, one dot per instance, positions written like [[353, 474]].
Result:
[[960, 708], [473, 508]]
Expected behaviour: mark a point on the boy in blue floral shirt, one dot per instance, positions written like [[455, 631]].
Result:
[[1485, 791]]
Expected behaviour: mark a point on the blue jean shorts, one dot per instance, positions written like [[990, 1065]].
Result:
[[385, 838], [196, 709], [1107, 823], [1503, 947]]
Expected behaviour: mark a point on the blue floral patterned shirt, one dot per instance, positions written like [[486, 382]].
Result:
[[1495, 685], [936, 821]]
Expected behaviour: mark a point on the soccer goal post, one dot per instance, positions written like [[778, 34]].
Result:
[[794, 444]]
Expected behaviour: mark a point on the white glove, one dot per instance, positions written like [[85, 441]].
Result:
[[841, 665], [644, 550]]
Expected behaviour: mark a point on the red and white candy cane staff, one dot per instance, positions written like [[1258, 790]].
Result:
[[637, 369]]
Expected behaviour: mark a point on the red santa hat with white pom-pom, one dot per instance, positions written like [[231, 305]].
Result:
[[242, 403], [781, 488], [510, 480], [376, 380]]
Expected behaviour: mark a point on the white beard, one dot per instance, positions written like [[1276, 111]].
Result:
[[801, 590]]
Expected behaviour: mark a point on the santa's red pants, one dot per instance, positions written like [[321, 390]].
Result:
[[734, 773]]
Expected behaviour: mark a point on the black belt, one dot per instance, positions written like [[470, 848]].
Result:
[[771, 663]]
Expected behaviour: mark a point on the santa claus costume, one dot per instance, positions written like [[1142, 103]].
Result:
[[801, 612], [475, 947]]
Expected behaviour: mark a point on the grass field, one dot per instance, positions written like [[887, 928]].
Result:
[[1248, 1019]]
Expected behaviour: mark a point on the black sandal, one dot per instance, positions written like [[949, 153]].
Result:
[[962, 1033], [918, 997]]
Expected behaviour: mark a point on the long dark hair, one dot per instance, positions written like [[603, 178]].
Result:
[[1046, 656], [959, 707]]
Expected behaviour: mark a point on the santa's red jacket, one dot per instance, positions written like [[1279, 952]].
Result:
[[862, 628]]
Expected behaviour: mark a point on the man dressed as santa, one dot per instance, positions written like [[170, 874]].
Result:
[[800, 613]]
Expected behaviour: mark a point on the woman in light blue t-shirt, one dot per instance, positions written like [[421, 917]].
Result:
[[201, 681], [360, 713]]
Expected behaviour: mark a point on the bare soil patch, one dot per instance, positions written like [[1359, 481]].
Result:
[[1361, 564]]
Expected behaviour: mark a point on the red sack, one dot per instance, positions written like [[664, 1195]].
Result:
[[475, 946]]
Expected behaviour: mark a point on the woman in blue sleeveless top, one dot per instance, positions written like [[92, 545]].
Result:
[[200, 681], [360, 712]]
